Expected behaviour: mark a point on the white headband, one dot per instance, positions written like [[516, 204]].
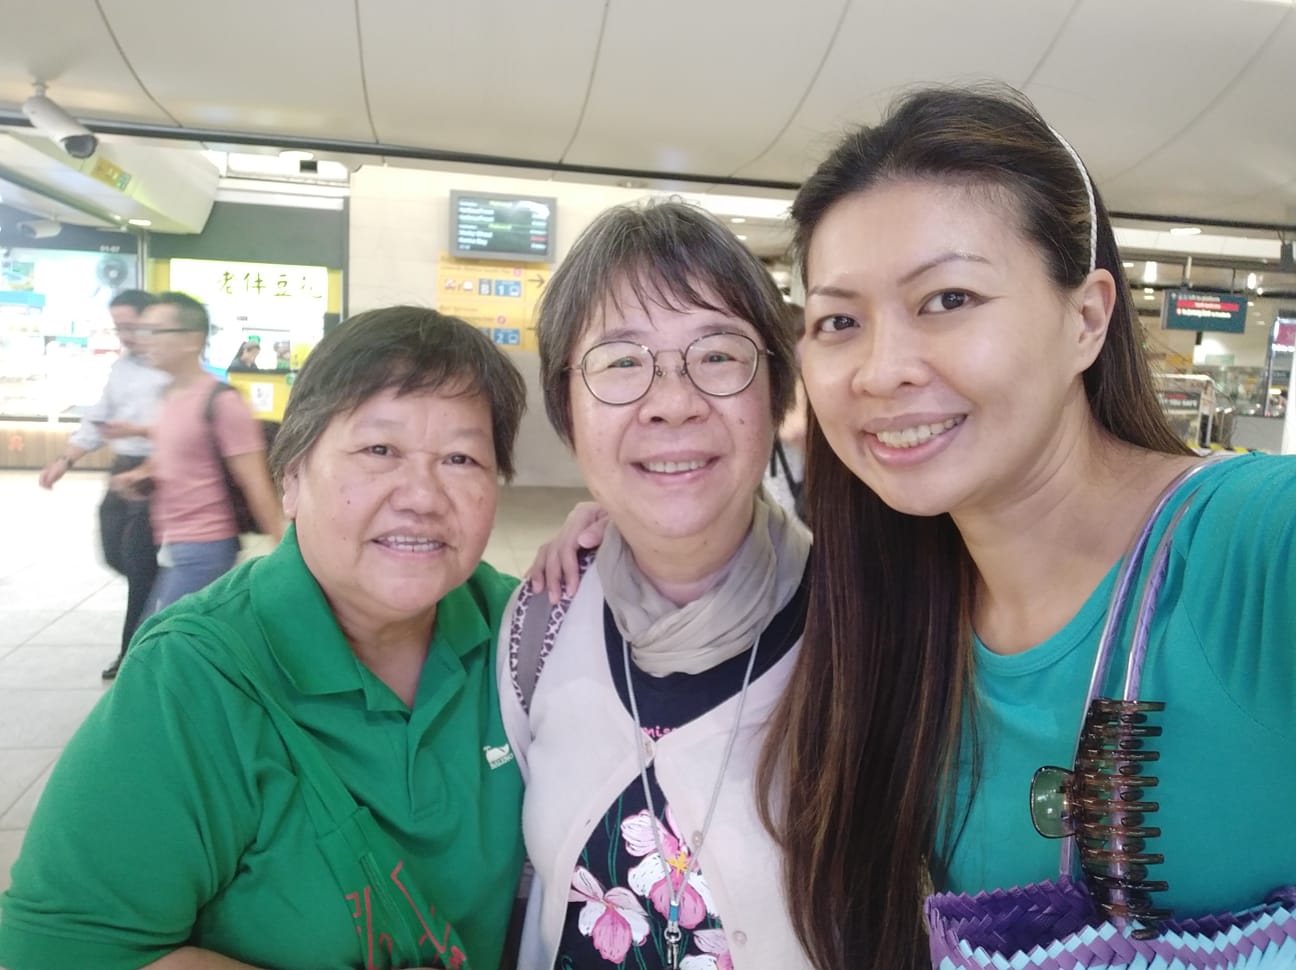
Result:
[[1093, 207]]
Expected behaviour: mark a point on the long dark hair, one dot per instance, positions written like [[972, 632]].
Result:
[[859, 771]]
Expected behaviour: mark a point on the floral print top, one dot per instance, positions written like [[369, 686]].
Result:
[[620, 890]]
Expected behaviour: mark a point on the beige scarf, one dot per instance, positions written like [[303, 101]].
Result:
[[724, 621]]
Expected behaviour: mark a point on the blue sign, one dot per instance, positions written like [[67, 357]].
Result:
[[508, 288], [507, 337]]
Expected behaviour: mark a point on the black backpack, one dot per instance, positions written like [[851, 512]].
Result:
[[238, 501]]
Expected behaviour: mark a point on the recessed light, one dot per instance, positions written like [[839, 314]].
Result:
[[1147, 290], [737, 219], [1128, 265], [1149, 271], [142, 223], [296, 155], [1252, 280], [1185, 231], [1259, 291], [742, 238], [1147, 296]]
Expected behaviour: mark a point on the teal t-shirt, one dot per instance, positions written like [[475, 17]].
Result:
[[1222, 655], [175, 816]]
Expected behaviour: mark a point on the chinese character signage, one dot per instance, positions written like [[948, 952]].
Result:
[[279, 306], [216, 281], [497, 298]]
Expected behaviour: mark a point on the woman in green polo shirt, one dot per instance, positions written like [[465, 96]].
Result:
[[303, 766]]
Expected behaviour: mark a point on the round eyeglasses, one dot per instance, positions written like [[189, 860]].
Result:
[[718, 364]]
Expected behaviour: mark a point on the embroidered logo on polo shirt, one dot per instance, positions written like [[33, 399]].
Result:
[[498, 757]]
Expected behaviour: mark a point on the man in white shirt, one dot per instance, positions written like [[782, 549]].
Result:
[[122, 419]]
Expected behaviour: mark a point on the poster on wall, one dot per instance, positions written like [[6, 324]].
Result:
[[497, 298], [278, 306]]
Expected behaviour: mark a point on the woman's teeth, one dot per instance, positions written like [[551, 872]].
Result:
[[912, 437], [410, 543], [674, 467]]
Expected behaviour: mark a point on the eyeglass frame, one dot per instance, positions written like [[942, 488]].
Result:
[[658, 371], [157, 332]]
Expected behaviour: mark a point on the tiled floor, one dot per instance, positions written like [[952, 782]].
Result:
[[60, 619]]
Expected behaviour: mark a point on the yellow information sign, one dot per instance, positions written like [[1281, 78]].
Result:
[[109, 174], [496, 298]]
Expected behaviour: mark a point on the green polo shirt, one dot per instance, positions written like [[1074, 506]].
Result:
[[175, 817]]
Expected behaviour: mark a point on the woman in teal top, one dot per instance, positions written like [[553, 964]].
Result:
[[303, 766], [985, 444]]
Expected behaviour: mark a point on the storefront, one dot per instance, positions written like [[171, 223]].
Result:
[[56, 336]]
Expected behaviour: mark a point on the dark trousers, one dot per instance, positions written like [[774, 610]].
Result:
[[128, 547]]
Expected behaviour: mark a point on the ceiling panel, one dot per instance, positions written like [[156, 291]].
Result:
[[883, 48], [287, 68], [66, 45], [699, 87], [1126, 76], [492, 77], [1237, 158]]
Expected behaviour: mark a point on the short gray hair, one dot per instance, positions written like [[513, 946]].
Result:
[[408, 349], [670, 254]]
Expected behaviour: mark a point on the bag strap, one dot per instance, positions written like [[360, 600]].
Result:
[[209, 417], [533, 630], [1118, 611], [312, 768], [334, 809], [1131, 564]]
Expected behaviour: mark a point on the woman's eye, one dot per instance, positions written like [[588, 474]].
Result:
[[462, 459], [381, 451], [836, 323], [944, 302]]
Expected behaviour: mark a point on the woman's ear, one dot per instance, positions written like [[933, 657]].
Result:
[[1096, 301], [292, 489]]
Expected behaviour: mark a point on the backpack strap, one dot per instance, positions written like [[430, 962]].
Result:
[[533, 630]]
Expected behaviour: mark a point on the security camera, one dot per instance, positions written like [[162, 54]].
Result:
[[55, 123], [39, 229]]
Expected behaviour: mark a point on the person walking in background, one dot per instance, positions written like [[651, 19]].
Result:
[[193, 515], [245, 359], [122, 418]]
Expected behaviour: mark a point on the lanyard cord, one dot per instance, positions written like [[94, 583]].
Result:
[[672, 926]]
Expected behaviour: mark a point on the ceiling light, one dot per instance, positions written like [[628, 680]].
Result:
[[1149, 272], [1128, 265], [1185, 231], [1259, 291], [1251, 281], [296, 155], [142, 223], [737, 219], [1148, 290], [1148, 297], [742, 238]]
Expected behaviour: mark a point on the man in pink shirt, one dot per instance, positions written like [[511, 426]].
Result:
[[193, 516]]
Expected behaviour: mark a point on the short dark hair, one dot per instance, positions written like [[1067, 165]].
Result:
[[190, 313], [408, 349], [670, 254], [139, 299]]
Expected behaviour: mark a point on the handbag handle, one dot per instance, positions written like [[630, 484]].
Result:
[[1118, 609]]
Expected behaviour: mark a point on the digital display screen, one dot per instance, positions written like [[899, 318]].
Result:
[[503, 227]]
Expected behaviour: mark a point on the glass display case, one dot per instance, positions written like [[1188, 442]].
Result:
[[56, 336]]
